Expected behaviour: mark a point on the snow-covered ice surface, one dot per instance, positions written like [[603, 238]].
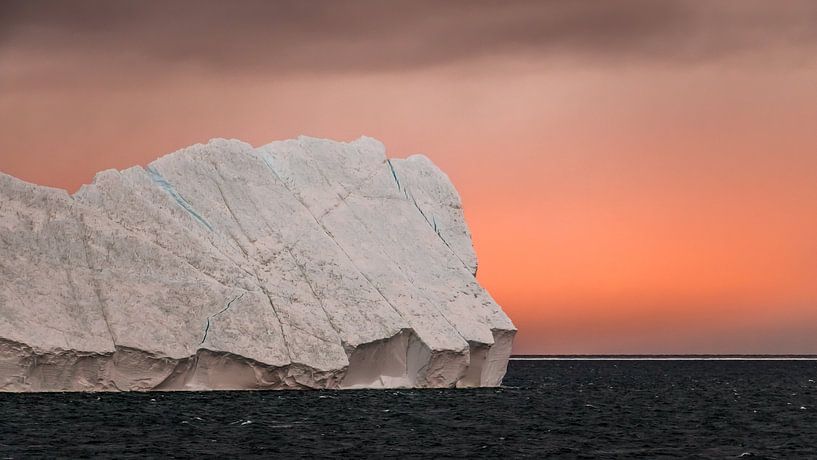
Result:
[[304, 263]]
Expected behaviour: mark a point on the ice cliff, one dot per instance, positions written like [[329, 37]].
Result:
[[304, 263]]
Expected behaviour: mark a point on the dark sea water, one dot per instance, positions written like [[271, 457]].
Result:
[[565, 409]]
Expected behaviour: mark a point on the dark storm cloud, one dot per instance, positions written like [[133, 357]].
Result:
[[116, 36]]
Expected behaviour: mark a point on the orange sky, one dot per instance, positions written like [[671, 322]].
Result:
[[621, 201]]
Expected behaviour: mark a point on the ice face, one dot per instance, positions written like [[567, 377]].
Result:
[[305, 263]]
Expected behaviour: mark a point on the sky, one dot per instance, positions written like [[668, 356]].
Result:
[[640, 177]]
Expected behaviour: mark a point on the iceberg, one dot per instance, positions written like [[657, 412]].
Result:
[[305, 263]]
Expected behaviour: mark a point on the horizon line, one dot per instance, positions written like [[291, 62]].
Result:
[[667, 357]]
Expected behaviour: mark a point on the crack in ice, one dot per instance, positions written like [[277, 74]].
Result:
[[266, 161], [394, 174], [431, 224], [168, 187], [227, 307]]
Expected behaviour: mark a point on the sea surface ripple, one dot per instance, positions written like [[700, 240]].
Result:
[[565, 409]]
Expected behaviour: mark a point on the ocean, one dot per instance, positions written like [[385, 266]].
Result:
[[547, 408]]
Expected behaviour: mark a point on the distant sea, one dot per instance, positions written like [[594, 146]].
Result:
[[572, 407]]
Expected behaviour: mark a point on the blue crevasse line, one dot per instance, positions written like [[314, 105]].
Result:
[[433, 222], [394, 174], [226, 307], [414, 200], [156, 177], [206, 330], [267, 161]]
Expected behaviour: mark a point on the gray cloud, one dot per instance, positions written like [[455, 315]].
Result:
[[118, 37]]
